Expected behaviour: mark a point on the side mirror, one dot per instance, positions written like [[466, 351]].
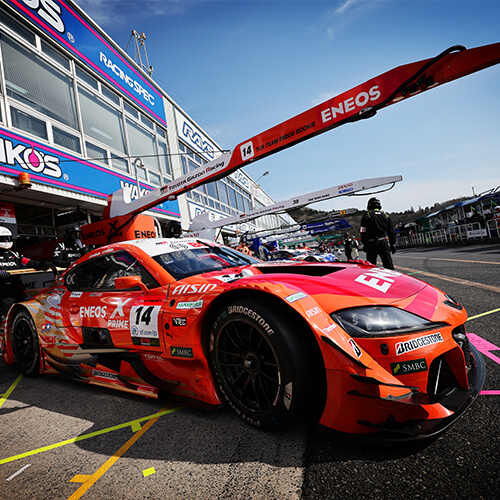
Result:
[[127, 282]]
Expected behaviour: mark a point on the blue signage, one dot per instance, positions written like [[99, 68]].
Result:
[[49, 166], [69, 29]]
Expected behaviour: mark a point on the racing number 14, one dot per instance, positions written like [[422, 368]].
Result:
[[146, 315]]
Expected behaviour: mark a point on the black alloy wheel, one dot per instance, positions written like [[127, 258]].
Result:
[[260, 364], [25, 345]]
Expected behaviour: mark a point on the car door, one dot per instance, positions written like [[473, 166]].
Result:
[[110, 317]]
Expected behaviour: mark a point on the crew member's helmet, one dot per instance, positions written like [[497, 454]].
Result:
[[173, 229], [5, 238], [73, 231], [374, 204]]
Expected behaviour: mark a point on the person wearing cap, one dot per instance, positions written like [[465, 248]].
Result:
[[377, 234], [11, 287], [68, 251]]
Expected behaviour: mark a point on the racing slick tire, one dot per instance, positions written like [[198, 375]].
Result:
[[25, 345], [260, 363]]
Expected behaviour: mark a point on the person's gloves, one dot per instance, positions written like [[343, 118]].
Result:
[[393, 249], [4, 275]]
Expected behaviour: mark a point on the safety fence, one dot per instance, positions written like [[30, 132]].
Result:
[[463, 232]]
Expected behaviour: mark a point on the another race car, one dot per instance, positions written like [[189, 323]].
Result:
[[304, 255], [364, 350]]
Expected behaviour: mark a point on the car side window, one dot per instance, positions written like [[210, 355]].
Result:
[[100, 273]]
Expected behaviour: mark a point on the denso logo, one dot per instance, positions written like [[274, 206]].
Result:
[[49, 11], [312, 312], [29, 158], [350, 104], [195, 288]]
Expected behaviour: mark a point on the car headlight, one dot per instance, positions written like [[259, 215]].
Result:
[[381, 321]]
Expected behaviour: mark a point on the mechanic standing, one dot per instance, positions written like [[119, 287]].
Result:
[[347, 247], [68, 251], [11, 287], [377, 234]]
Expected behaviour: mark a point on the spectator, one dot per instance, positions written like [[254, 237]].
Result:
[[377, 234]]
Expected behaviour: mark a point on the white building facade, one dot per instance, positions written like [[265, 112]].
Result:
[[82, 119]]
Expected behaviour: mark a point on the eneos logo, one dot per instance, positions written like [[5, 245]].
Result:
[[29, 158]]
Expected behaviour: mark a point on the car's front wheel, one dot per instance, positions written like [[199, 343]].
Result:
[[260, 363], [25, 345]]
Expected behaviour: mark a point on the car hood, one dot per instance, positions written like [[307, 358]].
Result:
[[341, 279]]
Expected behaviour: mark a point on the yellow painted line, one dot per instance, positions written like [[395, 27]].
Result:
[[483, 314], [6, 395], [451, 260], [92, 479], [460, 281], [148, 472], [132, 423]]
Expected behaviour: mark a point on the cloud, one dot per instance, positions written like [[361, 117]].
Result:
[[347, 12], [121, 12]]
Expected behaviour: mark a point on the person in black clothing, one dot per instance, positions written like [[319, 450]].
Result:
[[11, 287], [377, 234], [347, 247], [67, 252]]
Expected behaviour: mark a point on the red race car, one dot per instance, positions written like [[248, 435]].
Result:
[[362, 349]]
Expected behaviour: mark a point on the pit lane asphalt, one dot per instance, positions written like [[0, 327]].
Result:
[[60, 439]]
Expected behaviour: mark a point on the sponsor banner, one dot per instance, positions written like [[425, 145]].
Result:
[[69, 29], [181, 352], [52, 167], [194, 138], [7, 213]]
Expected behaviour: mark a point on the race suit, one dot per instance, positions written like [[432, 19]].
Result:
[[11, 287], [65, 253]]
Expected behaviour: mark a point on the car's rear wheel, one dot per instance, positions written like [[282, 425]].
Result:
[[25, 345], [260, 363]]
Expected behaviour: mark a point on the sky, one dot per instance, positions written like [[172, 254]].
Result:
[[239, 67]]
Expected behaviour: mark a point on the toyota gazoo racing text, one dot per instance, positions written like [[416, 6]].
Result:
[[362, 350]]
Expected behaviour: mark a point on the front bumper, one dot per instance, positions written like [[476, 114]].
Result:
[[426, 416]]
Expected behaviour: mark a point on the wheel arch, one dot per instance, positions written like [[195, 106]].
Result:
[[277, 305]]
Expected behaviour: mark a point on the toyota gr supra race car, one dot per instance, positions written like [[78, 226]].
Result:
[[362, 349]]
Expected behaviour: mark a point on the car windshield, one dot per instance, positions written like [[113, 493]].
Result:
[[204, 259]]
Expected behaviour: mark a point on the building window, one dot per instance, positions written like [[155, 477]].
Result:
[[36, 84], [100, 121], [163, 158], [28, 123], [16, 27], [142, 145], [66, 140], [95, 153], [85, 77]]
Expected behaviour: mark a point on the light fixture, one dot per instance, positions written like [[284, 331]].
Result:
[[263, 175]]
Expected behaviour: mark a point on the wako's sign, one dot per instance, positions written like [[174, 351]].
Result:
[[49, 166], [69, 29]]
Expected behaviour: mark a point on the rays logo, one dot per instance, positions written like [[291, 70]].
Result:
[[196, 139], [29, 158], [49, 11]]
